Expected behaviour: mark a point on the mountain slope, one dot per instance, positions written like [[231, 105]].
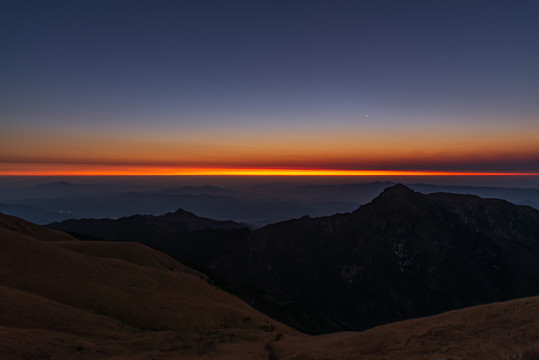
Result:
[[507, 330], [120, 299], [403, 255], [20, 226]]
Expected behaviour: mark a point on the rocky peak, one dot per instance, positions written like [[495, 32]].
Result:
[[397, 190], [398, 193], [183, 213]]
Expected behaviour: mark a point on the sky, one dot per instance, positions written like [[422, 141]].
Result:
[[218, 87]]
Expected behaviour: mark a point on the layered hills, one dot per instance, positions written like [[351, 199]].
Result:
[[403, 255]]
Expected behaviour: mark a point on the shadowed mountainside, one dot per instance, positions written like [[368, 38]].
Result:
[[403, 255]]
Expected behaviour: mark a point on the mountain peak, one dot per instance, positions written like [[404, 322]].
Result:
[[397, 193], [181, 211], [397, 190]]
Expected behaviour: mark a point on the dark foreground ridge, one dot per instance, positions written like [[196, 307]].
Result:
[[403, 255]]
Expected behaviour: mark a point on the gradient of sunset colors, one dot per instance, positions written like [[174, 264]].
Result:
[[269, 88]]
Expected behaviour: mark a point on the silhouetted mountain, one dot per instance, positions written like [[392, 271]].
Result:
[[133, 226], [195, 240], [403, 255], [359, 193], [522, 196], [531, 203]]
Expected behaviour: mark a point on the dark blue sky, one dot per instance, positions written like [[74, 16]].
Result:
[[183, 70]]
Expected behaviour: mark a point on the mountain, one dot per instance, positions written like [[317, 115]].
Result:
[[23, 227], [137, 226], [523, 196], [403, 255], [65, 299], [192, 239], [531, 203]]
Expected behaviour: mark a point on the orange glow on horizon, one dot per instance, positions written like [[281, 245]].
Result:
[[149, 171]]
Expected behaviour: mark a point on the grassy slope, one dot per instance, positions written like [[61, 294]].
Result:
[[495, 331], [64, 303]]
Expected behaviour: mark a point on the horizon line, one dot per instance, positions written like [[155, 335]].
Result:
[[257, 172]]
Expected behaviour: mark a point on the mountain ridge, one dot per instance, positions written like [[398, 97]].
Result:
[[135, 225]]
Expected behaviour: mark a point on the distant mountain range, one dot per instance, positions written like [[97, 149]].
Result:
[[253, 204], [134, 228], [403, 255]]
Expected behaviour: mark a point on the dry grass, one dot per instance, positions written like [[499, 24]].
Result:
[[21, 226], [135, 253], [508, 330], [108, 300]]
